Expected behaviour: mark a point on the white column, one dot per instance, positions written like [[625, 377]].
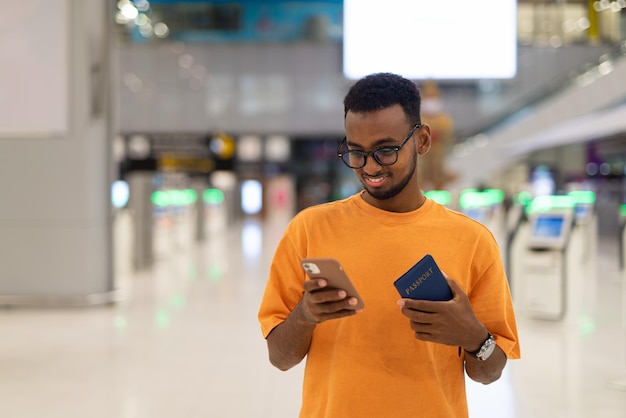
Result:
[[55, 211]]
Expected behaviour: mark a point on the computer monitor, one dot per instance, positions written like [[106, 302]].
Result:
[[548, 226], [550, 230]]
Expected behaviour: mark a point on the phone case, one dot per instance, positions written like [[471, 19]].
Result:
[[331, 270], [424, 281]]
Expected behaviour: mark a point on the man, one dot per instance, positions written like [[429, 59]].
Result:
[[396, 357]]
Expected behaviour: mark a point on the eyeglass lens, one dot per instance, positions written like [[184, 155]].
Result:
[[383, 156]]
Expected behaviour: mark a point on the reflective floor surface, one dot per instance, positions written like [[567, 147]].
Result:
[[185, 342]]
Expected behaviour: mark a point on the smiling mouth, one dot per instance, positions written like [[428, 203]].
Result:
[[375, 181]]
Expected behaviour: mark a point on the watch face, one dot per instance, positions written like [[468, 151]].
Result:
[[489, 350], [486, 349]]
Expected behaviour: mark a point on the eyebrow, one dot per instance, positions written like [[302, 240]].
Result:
[[379, 143]]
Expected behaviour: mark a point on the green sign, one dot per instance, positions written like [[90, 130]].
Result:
[[213, 196], [472, 198], [163, 198], [546, 203], [583, 196], [442, 197]]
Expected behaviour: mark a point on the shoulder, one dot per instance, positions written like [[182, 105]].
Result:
[[317, 223], [451, 215], [322, 210]]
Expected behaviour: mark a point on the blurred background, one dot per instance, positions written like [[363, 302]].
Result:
[[151, 152]]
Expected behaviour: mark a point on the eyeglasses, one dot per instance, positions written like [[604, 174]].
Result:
[[387, 155]]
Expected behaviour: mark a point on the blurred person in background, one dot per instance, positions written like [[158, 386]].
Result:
[[395, 357], [435, 175]]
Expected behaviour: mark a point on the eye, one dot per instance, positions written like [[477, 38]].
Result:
[[386, 151]]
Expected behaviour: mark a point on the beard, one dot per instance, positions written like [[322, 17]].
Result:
[[395, 189]]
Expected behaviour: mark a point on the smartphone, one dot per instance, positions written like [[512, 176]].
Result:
[[424, 281], [331, 270]]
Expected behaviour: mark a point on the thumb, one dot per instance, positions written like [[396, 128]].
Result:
[[456, 289]]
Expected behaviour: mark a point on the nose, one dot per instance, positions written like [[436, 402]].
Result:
[[371, 163]]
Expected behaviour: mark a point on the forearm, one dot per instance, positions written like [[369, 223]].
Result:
[[483, 371], [487, 371], [289, 342]]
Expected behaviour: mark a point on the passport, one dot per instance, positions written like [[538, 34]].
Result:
[[424, 281]]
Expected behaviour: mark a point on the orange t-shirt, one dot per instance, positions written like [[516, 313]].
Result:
[[371, 364]]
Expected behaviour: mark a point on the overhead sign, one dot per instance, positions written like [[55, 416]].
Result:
[[444, 40], [176, 152]]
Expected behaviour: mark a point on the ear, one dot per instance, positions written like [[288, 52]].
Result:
[[423, 139]]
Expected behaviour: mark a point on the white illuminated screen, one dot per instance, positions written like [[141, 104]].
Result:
[[251, 197], [440, 40], [120, 193], [548, 226]]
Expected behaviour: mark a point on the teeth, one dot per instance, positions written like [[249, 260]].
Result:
[[376, 180]]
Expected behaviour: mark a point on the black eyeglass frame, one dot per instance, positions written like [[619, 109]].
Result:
[[366, 154]]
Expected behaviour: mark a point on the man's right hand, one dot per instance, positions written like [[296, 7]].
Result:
[[289, 342], [321, 304]]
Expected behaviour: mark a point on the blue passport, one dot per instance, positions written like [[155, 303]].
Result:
[[424, 281]]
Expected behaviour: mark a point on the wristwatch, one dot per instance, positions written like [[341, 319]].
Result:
[[486, 349]]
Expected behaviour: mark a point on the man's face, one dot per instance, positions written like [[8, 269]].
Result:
[[387, 127]]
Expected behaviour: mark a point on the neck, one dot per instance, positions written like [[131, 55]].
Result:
[[404, 202]]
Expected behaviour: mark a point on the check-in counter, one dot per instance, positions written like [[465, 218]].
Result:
[[544, 258]]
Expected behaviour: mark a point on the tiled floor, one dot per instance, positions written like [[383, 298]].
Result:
[[185, 343]]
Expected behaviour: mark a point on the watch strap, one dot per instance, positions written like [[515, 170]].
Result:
[[486, 348]]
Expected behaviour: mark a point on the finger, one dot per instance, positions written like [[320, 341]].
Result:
[[424, 336], [314, 284], [334, 307], [328, 295], [419, 305], [454, 286], [319, 313], [450, 281], [421, 328], [419, 318], [336, 315]]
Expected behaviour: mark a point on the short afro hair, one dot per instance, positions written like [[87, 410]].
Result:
[[383, 90]]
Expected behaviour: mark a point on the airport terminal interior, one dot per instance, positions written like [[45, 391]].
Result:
[[153, 152]]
